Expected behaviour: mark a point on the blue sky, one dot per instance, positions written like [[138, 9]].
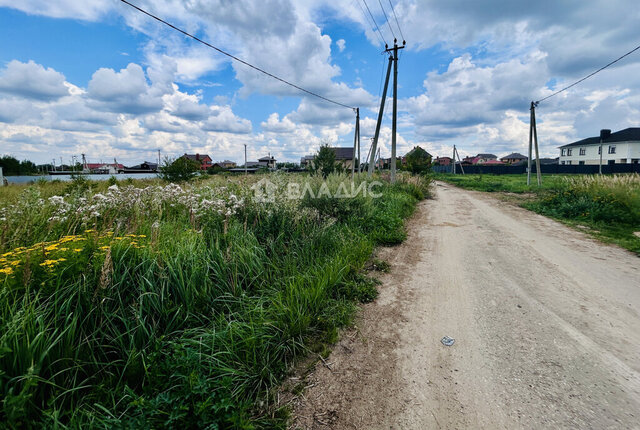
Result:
[[99, 78]]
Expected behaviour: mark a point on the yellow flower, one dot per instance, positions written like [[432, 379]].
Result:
[[104, 248], [77, 249], [6, 270], [51, 247], [15, 263], [64, 249], [90, 231], [48, 262]]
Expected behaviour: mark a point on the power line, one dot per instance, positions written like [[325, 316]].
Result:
[[236, 58], [387, 19], [396, 17], [374, 21], [589, 75], [373, 27]]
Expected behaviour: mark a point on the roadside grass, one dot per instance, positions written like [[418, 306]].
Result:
[[157, 306], [607, 207]]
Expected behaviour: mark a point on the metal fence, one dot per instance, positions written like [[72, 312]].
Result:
[[545, 168]]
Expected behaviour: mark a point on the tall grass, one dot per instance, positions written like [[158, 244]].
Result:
[[176, 309]]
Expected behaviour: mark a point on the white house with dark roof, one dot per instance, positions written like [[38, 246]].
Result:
[[621, 147]]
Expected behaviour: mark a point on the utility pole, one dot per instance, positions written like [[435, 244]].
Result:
[[453, 160], [600, 151], [533, 137], [245, 159], [356, 143], [374, 145], [395, 107], [158, 159]]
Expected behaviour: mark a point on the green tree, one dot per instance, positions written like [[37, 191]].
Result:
[[324, 162], [179, 170], [418, 161]]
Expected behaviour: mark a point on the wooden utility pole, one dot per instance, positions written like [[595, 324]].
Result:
[[533, 137], [356, 144], [395, 107], [374, 145]]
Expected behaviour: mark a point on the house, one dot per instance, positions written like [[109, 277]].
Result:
[[513, 158], [227, 164], [109, 168], [268, 162], [443, 161], [306, 161], [484, 158], [492, 162], [204, 160], [344, 156], [146, 166], [621, 147]]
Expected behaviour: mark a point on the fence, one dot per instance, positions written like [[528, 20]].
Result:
[[545, 168]]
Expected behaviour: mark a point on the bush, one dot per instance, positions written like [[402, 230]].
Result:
[[179, 170]]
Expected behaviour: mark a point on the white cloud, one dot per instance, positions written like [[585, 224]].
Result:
[[341, 44], [33, 81]]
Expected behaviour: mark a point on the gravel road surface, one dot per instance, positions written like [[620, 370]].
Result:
[[545, 319]]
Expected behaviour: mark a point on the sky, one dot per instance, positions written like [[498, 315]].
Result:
[[100, 78]]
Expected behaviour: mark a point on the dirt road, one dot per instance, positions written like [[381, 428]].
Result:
[[546, 323]]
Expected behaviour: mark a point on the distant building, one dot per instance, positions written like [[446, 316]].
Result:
[[344, 156], [513, 158], [621, 147], [306, 161], [147, 165], [268, 162], [110, 168], [204, 160], [442, 161]]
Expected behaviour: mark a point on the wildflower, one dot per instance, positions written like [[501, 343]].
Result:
[[48, 263], [77, 249], [104, 248], [51, 247], [7, 270]]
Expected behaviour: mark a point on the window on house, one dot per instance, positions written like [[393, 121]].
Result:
[[569, 162], [612, 149], [563, 152], [599, 150], [583, 151], [569, 151], [562, 162], [581, 163], [612, 162]]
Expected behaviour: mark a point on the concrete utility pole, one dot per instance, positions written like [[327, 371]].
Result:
[[533, 137], [374, 145], [158, 158], [395, 107], [453, 160], [356, 143], [245, 159]]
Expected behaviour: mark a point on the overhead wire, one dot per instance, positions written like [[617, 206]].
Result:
[[233, 57], [396, 18], [386, 18], [373, 27], [374, 21], [588, 76]]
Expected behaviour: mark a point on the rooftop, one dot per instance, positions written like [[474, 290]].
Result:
[[626, 135]]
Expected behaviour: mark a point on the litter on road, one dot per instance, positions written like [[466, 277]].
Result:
[[447, 341]]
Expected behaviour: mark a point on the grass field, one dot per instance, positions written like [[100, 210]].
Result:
[[153, 305], [608, 206]]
